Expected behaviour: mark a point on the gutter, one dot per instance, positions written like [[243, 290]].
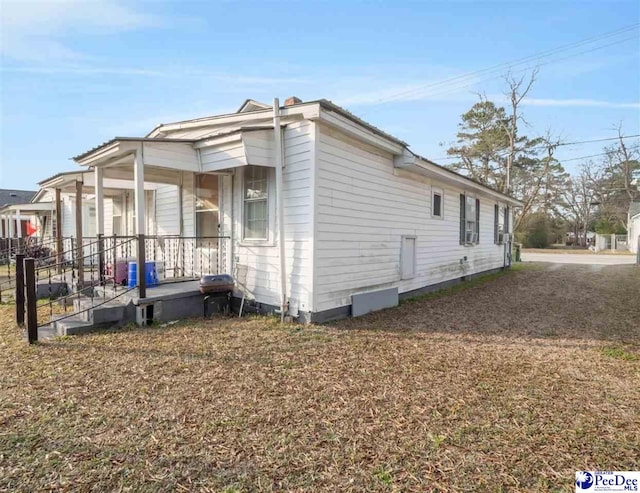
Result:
[[277, 140]]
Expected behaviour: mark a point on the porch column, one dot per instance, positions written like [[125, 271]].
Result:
[[10, 221], [79, 258], [98, 174], [138, 179], [99, 179], [58, 231], [4, 226], [18, 223]]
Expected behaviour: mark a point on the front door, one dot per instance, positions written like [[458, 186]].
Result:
[[207, 224]]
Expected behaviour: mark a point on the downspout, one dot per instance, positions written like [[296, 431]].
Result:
[[277, 150]]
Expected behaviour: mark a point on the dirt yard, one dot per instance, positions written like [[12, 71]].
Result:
[[511, 384]]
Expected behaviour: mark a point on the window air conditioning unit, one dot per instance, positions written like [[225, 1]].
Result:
[[471, 238]]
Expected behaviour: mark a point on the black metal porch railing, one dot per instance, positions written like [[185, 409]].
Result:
[[42, 249], [97, 271], [59, 284]]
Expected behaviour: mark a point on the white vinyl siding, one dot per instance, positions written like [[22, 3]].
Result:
[[262, 259], [224, 156], [68, 216], [188, 205], [364, 210], [108, 216], [167, 210]]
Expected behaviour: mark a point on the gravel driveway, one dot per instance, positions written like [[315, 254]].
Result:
[[538, 300]]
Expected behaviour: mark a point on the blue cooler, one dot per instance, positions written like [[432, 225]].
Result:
[[151, 276]]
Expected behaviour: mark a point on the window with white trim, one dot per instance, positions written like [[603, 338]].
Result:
[[499, 214], [469, 220], [437, 203], [255, 222]]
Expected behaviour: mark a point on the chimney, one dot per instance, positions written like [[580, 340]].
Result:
[[292, 100]]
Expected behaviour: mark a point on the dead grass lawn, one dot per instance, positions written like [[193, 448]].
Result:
[[453, 393]]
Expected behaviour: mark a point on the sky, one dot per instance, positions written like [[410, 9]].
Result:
[[75, 73]]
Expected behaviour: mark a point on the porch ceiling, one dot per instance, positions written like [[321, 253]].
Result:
[[153, 175]]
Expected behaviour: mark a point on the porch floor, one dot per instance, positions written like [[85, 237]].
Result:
[[114, 306], [166, 290]]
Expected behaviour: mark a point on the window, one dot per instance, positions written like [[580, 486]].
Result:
[[469, 220], [506, 220], [256, 205], [207, 206], [499, 215], [436, 203]]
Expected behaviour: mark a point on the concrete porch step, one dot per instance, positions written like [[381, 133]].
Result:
[[110, 312], [73, 326]]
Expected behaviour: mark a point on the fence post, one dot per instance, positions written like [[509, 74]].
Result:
[[32, 311], [20, 289], [101, 259], [141, 268]]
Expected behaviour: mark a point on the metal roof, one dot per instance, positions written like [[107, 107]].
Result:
[[324, 103], [634, 208], [61, 174], [127, 139]]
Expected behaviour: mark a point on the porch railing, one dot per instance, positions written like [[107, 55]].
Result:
[[42, 249], [187, 257], [97, 271]]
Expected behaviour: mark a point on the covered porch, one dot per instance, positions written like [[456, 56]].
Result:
[[173, 211], [23, 229], [25, 220]]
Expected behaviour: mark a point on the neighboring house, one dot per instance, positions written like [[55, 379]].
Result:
[[13, 213], [359, 212], [633, 227]]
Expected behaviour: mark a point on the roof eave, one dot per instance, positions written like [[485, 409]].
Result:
[[463, 181], [113, 146]]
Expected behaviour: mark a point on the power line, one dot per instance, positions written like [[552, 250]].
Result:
[[520, 61], [559, 145], [448, 90], [596, 155], [598, 140], [632, 148]]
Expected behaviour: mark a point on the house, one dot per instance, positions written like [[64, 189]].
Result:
[[13, 203], [365, 221], [633, 227]]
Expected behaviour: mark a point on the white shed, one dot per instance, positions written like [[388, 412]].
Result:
[[633, 227]]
